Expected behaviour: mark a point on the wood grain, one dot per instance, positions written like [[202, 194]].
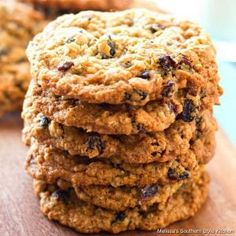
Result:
[[19, 208]]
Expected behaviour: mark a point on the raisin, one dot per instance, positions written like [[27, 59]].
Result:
[[183, 92], [153, 208], [127, 96], [142, 94], [154, 154], [95, 142], [120, 216], [159, 152], [183, 175], [145, 75], [173, 175], [62, 195], [83, 160], [191, 141], [44, 121], [112, 47], [149, 191], [172, 107], [115, 165], [65, 66], [186, 61], [140, 128], [167, 63], [188, 109], [72, 102], [192, 91], [166, 92], [153, 29], [104, 106]]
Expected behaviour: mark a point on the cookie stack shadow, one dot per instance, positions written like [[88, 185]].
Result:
[[112, 154]]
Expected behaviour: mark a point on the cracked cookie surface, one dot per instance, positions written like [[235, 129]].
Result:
[[134, 56]]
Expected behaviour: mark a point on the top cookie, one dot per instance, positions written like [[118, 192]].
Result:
[[75, 5], [122, 57], [18, 25]]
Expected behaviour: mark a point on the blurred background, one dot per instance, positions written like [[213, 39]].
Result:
[[218, 18]]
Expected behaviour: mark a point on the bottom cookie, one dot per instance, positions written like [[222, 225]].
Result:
[[66, 208]]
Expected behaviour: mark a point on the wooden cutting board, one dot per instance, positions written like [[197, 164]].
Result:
[[19, 208]]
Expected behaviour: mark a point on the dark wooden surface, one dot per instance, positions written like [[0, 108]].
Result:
[[19, 210]]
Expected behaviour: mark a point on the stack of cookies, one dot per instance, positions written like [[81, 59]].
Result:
[[57, 7], [18, 24], [119, 119]]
